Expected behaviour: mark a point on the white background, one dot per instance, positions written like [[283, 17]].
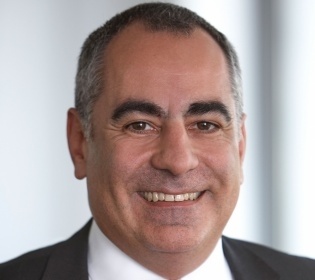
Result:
[[40, 200]]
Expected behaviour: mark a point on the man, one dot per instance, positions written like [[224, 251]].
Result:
[[158, 131]]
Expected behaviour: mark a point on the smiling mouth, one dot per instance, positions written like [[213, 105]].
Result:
[[158, 196]]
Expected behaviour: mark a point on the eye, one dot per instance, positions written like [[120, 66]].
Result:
[[140, 127], [205, 126]]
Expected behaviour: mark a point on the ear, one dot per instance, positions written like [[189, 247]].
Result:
[[242, 143], [77, 143], [242, 138]]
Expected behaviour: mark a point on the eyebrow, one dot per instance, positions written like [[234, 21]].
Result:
[[202, 107], [130, 106], [149, 108]]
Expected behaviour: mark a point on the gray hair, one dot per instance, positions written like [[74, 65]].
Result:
[[155, 17]]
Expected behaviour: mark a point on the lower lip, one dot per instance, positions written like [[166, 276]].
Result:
[[172, 204]]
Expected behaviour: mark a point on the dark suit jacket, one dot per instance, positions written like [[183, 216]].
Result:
[[68, 261]]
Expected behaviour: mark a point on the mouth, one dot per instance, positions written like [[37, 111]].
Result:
[[159, 196]]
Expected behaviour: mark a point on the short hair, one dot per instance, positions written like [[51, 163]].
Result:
[[155, 17]]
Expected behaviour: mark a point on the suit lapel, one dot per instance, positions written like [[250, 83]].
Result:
[[69, 259], [245, 264]]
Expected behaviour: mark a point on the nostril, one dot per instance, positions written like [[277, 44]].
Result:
[[175, 163], [174, 152]]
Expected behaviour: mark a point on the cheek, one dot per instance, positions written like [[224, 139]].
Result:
[[223, 160], [113, 165], [109, 190], [123, 161], [127, 157], [224, 164]]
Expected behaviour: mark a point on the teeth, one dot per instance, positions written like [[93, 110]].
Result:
[[150, 196], [161, 196], [169, 197], [179, 197], [155, 196]]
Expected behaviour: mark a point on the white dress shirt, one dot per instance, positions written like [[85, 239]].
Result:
[[107, 262]]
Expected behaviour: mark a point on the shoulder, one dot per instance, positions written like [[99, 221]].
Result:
[[64, 260], [28, 266], [283, 263]]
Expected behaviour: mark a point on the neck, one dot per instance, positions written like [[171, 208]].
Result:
[[172, 261], [173, 265]]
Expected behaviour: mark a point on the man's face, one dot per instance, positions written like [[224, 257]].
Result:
[[164, 128]]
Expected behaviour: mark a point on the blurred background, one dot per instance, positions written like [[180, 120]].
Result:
[[40, 200]]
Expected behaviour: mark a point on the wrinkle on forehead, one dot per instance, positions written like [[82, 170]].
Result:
[[171, 71], [135, 46]]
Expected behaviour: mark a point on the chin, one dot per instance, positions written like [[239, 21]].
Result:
[[174, 239]]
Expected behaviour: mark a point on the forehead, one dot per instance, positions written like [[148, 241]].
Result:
[[141, 64]]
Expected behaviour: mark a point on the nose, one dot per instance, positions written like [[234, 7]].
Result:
[[175, 152]]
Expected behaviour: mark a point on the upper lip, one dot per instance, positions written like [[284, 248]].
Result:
[[172, 190], [158, 196]]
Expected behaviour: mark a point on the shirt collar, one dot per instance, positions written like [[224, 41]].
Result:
[[105, 258]]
